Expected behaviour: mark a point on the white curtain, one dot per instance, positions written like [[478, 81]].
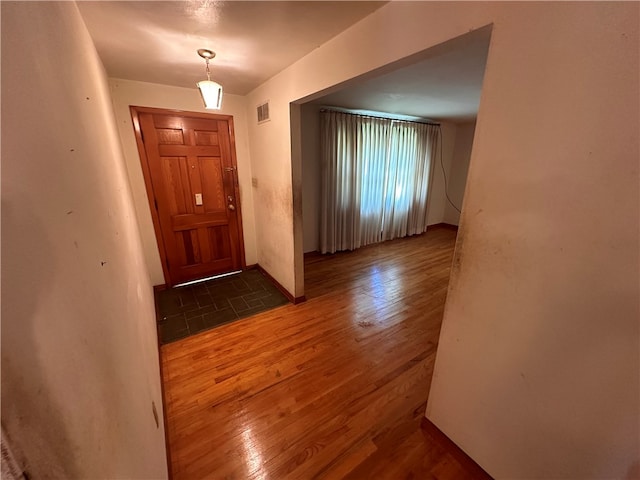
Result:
[[375, 177]]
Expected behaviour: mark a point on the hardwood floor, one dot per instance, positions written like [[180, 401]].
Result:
[[335, 387]]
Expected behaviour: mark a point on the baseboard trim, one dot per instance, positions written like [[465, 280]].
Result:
[[448, 226], [465, 460], [284, 291], [253, 266]]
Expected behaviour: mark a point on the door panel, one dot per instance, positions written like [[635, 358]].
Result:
[[192, 175]]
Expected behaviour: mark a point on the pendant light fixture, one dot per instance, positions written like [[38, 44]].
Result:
[[210, 91]]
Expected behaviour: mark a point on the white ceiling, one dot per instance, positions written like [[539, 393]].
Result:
[[444, 85], [156, 41]]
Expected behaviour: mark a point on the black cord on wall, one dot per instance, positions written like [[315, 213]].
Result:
[[444, 173]]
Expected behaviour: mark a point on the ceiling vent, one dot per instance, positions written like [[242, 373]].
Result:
[[263, 112]]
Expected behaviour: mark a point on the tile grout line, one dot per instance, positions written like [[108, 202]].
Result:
[[205, 299]]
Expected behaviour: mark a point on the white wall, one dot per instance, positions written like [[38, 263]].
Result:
[[537, 369], [80, 364], [457, 175], [270, 145], [541, 324], [437, 196], [311, 176], [128, 92]]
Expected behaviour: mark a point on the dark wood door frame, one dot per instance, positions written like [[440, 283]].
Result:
[[144, 161]]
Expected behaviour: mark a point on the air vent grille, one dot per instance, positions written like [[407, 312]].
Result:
[[263, 112]]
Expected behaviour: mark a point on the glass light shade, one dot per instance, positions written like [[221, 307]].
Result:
[[211, 93]]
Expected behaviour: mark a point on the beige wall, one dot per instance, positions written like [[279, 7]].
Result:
[[270, 145], [437, 199], [127, 92], [537, 368], [459, 169], [311, 176], [79, 351]]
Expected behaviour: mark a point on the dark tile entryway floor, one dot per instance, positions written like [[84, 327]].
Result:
[[184, 311]]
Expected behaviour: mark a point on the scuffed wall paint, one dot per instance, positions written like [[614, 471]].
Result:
[[80, 371], [273, 197], [537, 366], [545, 286]]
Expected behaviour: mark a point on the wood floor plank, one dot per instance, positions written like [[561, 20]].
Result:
[[334, 387]]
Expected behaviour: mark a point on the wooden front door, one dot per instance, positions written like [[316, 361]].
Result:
[[189, 164]]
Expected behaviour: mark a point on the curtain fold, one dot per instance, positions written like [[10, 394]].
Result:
[[375, 179]]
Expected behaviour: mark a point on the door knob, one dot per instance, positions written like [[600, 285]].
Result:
[[231, 207]]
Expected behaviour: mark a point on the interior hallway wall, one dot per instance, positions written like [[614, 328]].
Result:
[[80, 371], [142, 94], [537, 372]]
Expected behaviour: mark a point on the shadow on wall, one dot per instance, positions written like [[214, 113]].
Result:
[[30, 416]]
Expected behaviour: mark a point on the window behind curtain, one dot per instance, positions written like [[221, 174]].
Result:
[[375, 179]]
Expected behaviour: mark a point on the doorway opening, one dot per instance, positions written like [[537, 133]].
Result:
[[190, 172], [441, 84]]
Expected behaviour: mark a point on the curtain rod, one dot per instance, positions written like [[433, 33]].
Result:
[[373, 116]]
